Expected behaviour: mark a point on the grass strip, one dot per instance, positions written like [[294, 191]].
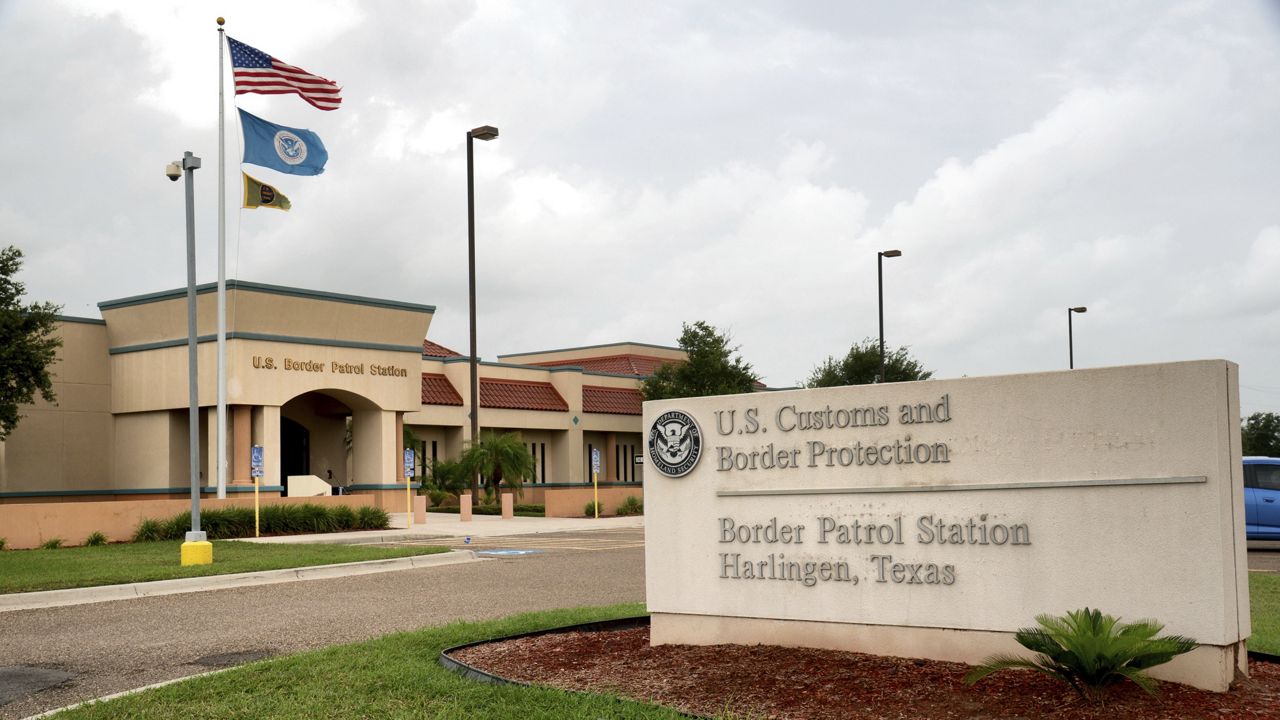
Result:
[[1264, 611], [31, 570], [397, 676]]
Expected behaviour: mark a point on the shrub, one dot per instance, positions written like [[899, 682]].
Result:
[[237, 522], [314, 518], [279, 519], [344, 518], [372, 518], [590, 509], [1089, 650], [149, 531], [51, 544], [631, 506], [2, 543], [177, 527], [95, 539], [224, 523]]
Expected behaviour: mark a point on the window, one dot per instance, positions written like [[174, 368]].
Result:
[[1268, 476]]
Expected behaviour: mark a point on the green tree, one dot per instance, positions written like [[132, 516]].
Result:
[[862, 364], [713, 368], [28, 344], [498, 459], [1260, 433]]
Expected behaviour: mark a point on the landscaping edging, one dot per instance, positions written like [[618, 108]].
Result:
[[473, 673]]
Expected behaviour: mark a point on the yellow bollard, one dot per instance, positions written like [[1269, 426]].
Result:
[[197, 553]]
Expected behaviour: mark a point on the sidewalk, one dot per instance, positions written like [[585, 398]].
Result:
[[447, 525]]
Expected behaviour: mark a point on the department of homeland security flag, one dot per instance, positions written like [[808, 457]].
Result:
[[259, 194], [288, 150], [258, 72]]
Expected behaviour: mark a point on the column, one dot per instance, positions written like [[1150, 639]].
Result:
[[400, 447], [373, 447], [241, 439], [209, 453]]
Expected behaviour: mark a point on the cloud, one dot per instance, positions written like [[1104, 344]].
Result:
[[663, 163]]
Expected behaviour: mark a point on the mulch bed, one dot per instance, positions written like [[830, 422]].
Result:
[[773, 682]]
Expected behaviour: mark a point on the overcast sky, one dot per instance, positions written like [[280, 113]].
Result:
[[734, 162]]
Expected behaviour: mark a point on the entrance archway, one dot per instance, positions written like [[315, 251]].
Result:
[[316, 437]]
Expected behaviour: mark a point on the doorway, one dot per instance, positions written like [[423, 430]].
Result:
[[295, 452]]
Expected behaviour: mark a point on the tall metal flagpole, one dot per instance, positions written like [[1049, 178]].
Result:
[[222, 275]]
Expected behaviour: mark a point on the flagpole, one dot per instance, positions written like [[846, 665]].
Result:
[[222, 274]]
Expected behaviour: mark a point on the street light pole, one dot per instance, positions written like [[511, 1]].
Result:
[[484, 132], [880, 256], [1071, 351], [196, 550]]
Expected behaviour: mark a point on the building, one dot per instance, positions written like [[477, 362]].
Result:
[[326, 384]]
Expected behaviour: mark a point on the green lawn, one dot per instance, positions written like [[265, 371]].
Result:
[[397, 676], [29, 570], [1264, 606]]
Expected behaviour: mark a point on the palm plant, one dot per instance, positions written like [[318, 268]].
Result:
[[1089, 650], [448, 476], [498, 459]]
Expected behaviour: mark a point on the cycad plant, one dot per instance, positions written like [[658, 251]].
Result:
[[1089, 650], [499, 458]]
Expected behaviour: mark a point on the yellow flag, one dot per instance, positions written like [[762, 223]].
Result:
[[260, 194]]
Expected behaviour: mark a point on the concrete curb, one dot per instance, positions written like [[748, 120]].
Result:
[[106, 593], [125, 693]]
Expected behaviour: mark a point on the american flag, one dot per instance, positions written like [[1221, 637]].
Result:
[[258, 72]]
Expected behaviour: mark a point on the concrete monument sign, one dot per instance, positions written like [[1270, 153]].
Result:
[[933, 519]]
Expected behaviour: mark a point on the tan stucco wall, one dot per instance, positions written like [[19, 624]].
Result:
[[569, 502], [257, 311], [27, 525], [67, 445], [156, 379]]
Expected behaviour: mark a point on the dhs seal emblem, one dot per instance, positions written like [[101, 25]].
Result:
[[290, 148], [675, 443]]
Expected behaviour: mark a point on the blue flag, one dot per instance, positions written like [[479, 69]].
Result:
[[288, 150]]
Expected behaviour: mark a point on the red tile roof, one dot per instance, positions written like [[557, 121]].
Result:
[[520, 395], [437, 390], [643, 365], [430, 349], [618, 401]]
